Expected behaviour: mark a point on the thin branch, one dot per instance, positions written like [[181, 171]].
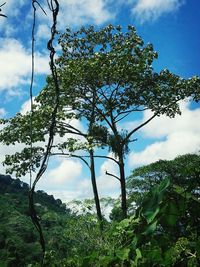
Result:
[[77, 131], [128, 111], [133, 140], [140, 126], [104, 157], [71, 155], [85, 156], [110, 174], [123, 117]]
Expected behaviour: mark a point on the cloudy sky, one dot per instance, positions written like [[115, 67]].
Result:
[[173, 26]]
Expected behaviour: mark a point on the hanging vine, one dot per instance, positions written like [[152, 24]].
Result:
[[54, 8]]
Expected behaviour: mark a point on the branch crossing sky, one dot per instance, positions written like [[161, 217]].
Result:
[[172, 26]]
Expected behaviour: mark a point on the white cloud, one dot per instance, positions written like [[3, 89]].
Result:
[[65, 174], [84, 11], [43, 31], [2, 112], [146, 10], [15, 65], [176, 144], [76, 13], [69, 180], [163, 125], [181, 136]]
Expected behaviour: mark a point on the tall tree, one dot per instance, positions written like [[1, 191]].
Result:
[[106, 76], [72, 139], [115, 68]]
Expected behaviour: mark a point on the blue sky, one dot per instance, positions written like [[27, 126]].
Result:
[[173, 26]]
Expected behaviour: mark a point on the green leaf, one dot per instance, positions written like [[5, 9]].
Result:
[[171, 214], [138, 256], [123, 254], [151, 205], [150, 228]]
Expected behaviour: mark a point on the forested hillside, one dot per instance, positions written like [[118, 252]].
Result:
[[162, 228], [65, 233]]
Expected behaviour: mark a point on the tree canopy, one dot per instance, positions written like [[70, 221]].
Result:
[[105, 76]]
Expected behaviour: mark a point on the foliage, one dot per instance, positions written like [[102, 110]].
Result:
[[66, 234], [183, 171], [104, 76], [164, 231], [115, 80]]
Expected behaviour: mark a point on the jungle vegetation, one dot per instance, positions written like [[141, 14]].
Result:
[[161, 230], [104, 77]]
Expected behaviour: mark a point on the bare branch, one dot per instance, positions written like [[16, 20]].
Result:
[[110, 174], [71, 155], [104, 157], [140, 126]]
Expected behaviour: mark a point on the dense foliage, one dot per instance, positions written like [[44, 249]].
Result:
[[67, 235], [162, 230]]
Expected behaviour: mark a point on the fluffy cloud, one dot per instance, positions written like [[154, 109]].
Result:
[[15, 65], [146, 10], [84, 11], [180, 134], [69, 180], [65, 174], [77, 13], [163, 125], [2, 112]]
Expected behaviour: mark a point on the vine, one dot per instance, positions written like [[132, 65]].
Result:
[[54, 8]]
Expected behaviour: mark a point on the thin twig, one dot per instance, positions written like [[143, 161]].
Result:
[[110, 174]]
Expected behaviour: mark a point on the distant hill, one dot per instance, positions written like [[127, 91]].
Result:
[[18, 238], [15, 188]]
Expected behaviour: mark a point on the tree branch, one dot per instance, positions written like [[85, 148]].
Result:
[[71, 155], [110, 174], [140, 126]]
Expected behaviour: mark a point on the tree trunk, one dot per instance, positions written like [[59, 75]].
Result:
[[94, 187], [123, 186]]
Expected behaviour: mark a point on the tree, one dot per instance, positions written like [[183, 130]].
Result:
[[18, 130], [183, 171], [110, 72], [105, 76]]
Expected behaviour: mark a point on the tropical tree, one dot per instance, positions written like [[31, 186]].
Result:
[[105, 76], [109, 72], [18, 130]]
